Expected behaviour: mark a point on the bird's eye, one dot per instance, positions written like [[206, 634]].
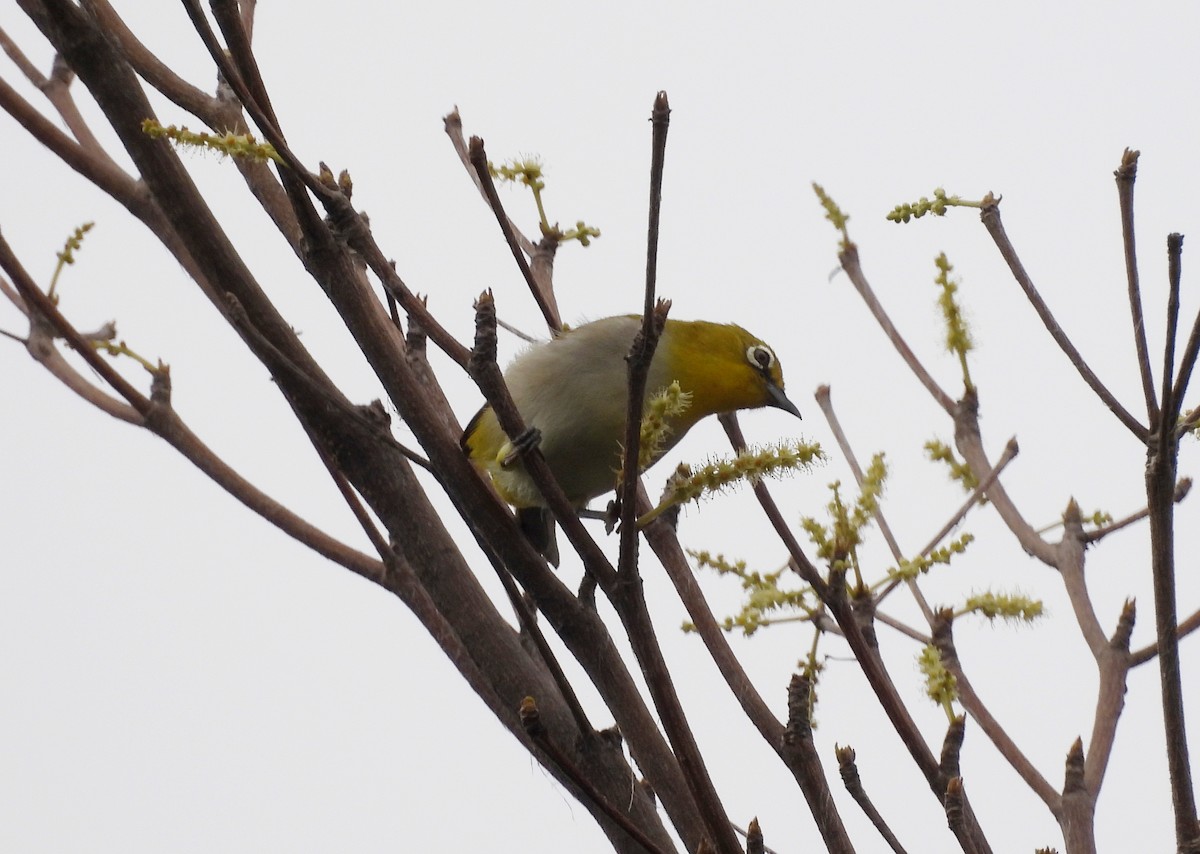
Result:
[[761, 356]]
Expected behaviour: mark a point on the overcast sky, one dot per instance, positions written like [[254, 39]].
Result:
[[177, 676]]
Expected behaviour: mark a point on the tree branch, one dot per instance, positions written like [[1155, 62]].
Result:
[[1126, 175], [848, 768], [543, 293], [868, 659], [943, 639], [990, 216], [850, 263]]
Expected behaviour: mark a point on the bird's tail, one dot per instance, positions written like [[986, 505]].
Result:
[[537, 523]]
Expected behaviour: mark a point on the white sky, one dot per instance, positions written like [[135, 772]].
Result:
[[176, 676]]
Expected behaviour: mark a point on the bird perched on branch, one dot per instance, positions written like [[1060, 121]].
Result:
[[574, 390]]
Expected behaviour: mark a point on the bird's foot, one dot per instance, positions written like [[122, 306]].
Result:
[[522, 445]]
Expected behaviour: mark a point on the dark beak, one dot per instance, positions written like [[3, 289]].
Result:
[[779, 400]]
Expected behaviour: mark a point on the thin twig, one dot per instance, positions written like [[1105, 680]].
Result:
[[1110, 699], [654, 320], [798, 752], [627, 595], [531, 720], [1011, 449], [1170, 404], [32, 73], [1149, 651], [1070, 562], [661, 538], [527, 616], [1187, 365], [825, 403], [1182, 488], [524, 336], [969, 441], [902, 627], [152, 69], [990, 216], [1078, 824], [851, 264], [943, 639], [1161, 468], [58, 93], [454, 130], [100, 170], [848, 768], [1126, 175], [40, 305], [543, 297], [868, 659]]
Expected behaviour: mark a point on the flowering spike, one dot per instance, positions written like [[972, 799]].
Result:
[[1015, 607], [833, 213], [940, 684], [67, 256], [937, 206], [939, 452], [958, 336], [750, 465], [232, 144]]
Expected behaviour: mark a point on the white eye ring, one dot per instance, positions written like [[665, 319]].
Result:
[[761, 356]]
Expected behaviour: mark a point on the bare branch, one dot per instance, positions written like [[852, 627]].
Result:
[[800, 755], [1078, 805], [850, 263], [1170, 404], [848, 768], [531, 719], [970, 444], [40, 345], [825, 402], [1070, 563], [1126, 175], [990, 216], [454, 130], [1181, 491], [867, 657], [660, 536], [97, 168], [19, 59], [543, 292], [40, 306], [1161, 473], [654, 320], [943, 639], [1110, 700], [1148, 652], [153, 70]]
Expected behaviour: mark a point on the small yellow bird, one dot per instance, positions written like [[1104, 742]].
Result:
[[574, 390]]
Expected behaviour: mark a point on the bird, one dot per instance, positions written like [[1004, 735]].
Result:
[[573, 390]]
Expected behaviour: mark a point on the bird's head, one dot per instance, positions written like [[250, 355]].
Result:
[[722, 366]]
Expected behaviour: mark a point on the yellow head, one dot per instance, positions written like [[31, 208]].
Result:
[[721, 365]]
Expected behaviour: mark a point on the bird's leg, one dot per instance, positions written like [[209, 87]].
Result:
[[612, 514], [522, 445]]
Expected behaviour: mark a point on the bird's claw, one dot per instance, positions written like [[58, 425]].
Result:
[[522, 445]]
